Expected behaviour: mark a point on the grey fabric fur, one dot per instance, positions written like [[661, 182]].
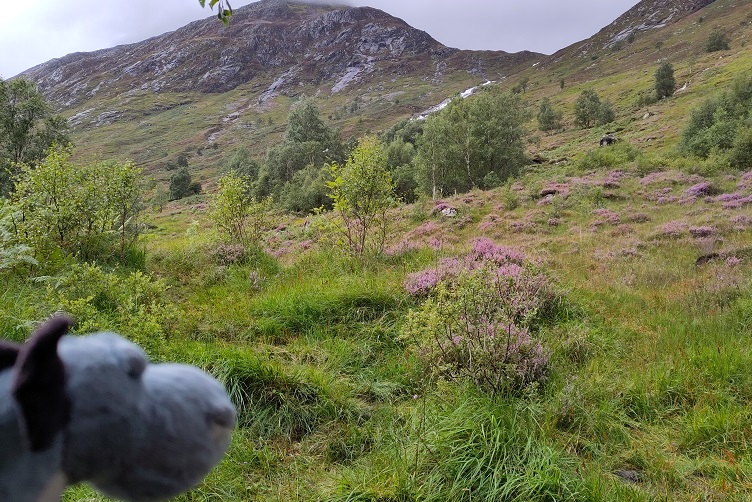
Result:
[[137, 431]]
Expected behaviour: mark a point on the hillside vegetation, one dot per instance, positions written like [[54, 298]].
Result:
[[576, 330]]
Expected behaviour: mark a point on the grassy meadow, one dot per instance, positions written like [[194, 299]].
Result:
[[648, 393]]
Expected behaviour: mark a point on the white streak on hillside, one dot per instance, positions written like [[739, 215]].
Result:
[[437, 108]]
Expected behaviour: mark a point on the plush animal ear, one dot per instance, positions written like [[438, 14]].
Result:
[[8, 354], [39, 385]]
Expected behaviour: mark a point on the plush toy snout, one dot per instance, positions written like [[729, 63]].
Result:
[[94, 409]]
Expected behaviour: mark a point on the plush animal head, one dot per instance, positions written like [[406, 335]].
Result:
[[93, 409]]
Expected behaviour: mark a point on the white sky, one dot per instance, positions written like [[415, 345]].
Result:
[[35, 31]]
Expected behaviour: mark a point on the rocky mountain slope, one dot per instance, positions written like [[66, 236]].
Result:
[[205, 89], [289, 44], [646, 15]]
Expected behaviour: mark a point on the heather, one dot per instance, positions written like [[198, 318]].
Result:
[[475, 323]]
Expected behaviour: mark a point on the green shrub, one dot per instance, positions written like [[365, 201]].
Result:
[[238, 217], [717, 41], [362, 191], [13, 253], [664, 81], [711, 127], [306, 190], [491, 180], [132, 304], [89, 212], [589, 110], [714, 125], [182, 185], [549, 119], [405, 184], [740, 155], [646, 98]]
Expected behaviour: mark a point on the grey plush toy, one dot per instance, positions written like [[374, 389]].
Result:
[[93, 409]]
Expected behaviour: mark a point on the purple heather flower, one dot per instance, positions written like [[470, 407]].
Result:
[[420, 283], [426, 228], [700, 189], [608, 215], [728, 197], [673, 228], [733, 261], [486, 249], [435, 243]]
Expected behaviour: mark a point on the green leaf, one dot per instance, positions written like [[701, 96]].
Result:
[[202, 3], [212, 3]]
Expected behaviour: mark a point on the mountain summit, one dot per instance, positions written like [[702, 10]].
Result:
[[285, 41]]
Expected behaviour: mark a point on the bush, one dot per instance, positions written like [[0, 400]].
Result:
[[181, 185], [362, 191], [664, 81], [711, 126], [238, 217], [589, 110], [133, 304], [606, 113], [475, 323], [717, 41], [491, 180], [616, 155], [182, 160], [646, 98], [740, 155], [90, 212], [306, 191], [13, 254], [405, 184], [549, 119]]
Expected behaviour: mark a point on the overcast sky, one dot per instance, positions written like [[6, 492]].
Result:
[[35, 31]]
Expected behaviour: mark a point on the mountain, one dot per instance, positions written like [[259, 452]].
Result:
[[206, 89], [289, 43], [646, 15]]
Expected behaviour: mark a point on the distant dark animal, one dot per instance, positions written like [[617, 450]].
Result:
[[706, 258], [608, 139]]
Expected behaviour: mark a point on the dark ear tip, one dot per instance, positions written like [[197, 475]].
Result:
[[61, 321], [55, 327], [39, 384]]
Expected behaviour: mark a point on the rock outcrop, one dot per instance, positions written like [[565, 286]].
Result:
[[286, 42]]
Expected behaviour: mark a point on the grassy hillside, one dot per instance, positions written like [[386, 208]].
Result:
[[646, 255], [649, 389]]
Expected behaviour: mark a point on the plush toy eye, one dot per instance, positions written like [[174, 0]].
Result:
[[223, 416], [135, 364]]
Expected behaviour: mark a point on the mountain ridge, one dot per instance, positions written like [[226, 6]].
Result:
[[645, 15], [310, 43], [366, 68]]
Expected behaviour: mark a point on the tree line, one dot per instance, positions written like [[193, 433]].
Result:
[[472, 143]]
